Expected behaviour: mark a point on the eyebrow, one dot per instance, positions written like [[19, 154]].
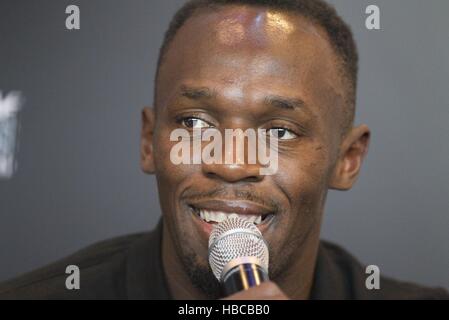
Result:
[[197, 93], [285, 103]]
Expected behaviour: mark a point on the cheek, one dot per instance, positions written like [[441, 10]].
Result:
[[303, 175], [308, 164], [168, 173]]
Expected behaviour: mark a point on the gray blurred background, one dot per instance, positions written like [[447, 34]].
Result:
[[78, 179]]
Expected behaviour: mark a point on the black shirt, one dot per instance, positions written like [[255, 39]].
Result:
[[130, 267]]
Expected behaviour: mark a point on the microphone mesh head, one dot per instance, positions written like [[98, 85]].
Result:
[[235, 238]]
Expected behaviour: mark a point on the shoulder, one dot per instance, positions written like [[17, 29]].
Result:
[[354, 276], [102, 272]]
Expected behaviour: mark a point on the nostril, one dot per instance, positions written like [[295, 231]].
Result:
[[252, 179], [213, 175], [232, 173]]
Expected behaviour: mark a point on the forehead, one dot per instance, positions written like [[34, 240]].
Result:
[[247, 51]]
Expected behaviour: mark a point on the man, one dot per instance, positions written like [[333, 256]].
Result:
[[286, 67]]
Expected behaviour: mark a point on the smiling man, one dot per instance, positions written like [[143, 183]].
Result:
[[287, 69]]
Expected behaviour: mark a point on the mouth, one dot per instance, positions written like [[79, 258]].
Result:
[[210, 212], [213, 217]]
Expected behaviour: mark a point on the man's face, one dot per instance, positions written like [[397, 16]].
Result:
[[244, 67]]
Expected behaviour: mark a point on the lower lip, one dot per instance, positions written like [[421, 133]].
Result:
[[206, 228]]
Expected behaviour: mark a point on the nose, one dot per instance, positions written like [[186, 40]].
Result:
[[239, 161], [233, 173]]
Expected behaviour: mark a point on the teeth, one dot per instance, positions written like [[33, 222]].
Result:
[[217, 216]]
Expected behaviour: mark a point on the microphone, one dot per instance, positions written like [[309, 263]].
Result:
[[238, 255]]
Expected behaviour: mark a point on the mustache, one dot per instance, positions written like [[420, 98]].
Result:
[[231, 194]]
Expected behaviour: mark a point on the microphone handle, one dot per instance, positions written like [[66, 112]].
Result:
[[242, 277]]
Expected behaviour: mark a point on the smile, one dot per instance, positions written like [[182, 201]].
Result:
[[216, 211]]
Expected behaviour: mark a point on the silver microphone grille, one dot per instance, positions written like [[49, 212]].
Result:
[[235, 238]]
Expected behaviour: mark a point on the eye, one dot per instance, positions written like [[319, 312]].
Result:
[[282, 133], [194, 123]]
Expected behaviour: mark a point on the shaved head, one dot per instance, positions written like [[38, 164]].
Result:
[[318, 13]]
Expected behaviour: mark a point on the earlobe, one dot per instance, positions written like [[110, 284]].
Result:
[[146, 142], [352, 153]]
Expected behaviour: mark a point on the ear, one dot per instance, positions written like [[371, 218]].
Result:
[[146, 142], [352, 153]]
